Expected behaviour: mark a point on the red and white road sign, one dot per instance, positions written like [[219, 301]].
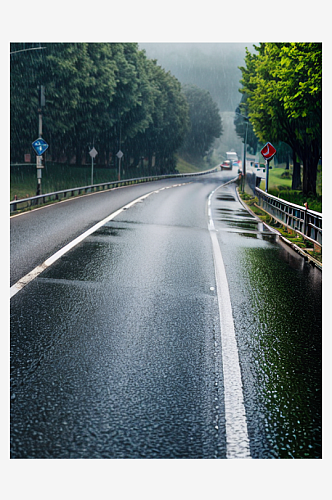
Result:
[[268, 151]]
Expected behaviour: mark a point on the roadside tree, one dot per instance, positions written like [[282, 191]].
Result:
[[283, 82], [205, 123]]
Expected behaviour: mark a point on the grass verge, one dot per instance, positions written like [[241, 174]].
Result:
[[186, 167], [306, 246], [56, 177], [280, 185]]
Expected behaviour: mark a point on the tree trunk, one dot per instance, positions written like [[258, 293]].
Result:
[[309, 175], [287, 161], [296, 178]]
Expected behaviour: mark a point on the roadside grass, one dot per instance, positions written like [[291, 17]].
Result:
[[55, 177], [186, 167], [291, 236], [279, 178]]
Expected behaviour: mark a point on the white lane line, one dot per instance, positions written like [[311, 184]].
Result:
[[39, 269], [237, 439]]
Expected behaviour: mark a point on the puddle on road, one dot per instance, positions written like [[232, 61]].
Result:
[[238, 220], [240, 224], [265, 236], [225, 197], [236, 213], [109, 231]]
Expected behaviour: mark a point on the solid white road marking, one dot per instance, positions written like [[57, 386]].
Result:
[[39, 269], [237, 439]]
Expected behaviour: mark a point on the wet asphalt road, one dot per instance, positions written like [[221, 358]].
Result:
[[116, 348], [36, 235]]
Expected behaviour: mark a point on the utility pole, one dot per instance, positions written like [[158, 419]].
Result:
[[246, 120]]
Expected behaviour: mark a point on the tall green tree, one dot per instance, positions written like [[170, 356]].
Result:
[[205, 122], [25, 62], [127, 111], [169, 124], [283, 82], [70, 81]]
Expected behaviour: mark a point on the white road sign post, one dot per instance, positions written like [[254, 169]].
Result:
[[93, 153]]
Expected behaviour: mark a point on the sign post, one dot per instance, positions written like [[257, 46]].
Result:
[[39, 146], [119, 154], [93, 153], [268, 152]]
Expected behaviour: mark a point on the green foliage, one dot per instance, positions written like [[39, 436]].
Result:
[[283, 82], [205, 122], [109, 95], [56, 177], [185, 167], [297, 197], [243, 127]]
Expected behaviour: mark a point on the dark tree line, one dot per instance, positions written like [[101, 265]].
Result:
[[109, 95]]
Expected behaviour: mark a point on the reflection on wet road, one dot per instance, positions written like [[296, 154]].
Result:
[[116, 348], [277, 305]]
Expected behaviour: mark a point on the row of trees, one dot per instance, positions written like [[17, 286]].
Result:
[[282, 85], [109, 95]]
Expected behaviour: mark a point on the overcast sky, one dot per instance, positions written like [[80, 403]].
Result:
[[212, 66]]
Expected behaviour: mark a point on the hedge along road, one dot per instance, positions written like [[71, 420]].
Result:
[[117, 347]]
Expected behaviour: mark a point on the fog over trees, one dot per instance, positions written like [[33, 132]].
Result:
[[210, 66]]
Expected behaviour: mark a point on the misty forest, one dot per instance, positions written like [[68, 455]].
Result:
[[112, 96], [159, 103]]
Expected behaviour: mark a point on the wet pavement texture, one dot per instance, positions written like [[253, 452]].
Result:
[[36, 235], [277, 308], [116, 351]]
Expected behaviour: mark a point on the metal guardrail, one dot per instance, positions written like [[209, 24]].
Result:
[[42, 199], [302, 220]]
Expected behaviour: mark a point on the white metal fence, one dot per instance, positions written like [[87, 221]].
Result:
[[302, 220]]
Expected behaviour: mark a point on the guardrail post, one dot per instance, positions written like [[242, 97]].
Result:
[[305, 224]]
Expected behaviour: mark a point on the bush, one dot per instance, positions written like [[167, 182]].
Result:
[[314, 203]]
